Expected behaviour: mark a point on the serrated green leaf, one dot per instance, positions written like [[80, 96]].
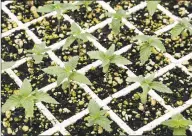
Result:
[[160, 87], [105, 67], [116, 25], [143, 95], [6, 65], [90, 36], [26, 88], [38, 58], [93, 107], [61, 77], [158, 45], [12, 101], [104, 122], [179, 131], [139, 79], [152, 6], [65, 85], [75, 29], [176, 30], [72, 63], [53, 70], [145, 53], [117, 59], [80, 78], [150, 78], [44, 97], [28, 105], [119, 14], [68, 42], [96, 55], [111, 50]]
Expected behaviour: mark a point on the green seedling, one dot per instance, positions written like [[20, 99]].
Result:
[[108, 57], [27, 98], [117, 20], [59, 8], [178, 124], [182, 27], [97, 116], [146, 46], [68, 72], [77, 34], [147, 84], [38, 52]]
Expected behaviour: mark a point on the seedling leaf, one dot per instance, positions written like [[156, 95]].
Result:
[[68, 42], [80, 78], [160, 87], [53, 70], [152, 6], [44, 97], [26, 88], [6, 65], [145, 53]]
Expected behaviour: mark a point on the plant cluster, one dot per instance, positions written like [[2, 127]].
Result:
[[147, 84], [26, 98], [178, 124]]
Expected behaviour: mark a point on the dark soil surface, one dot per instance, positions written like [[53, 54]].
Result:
[[23, 11], [76, 49], [177, 47], [14, 46], [86, 18], [12, 125], [180, 9], [47, 30], [6, 22], [80, 129], [125, 5], [181, 85], [116, 80], [106, 37], [34, 72], [71, 101], [155, 62], [133, 113], [147, 24]]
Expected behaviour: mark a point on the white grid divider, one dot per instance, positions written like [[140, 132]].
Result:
[[130, 26]]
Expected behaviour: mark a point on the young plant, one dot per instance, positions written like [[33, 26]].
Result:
[[117, 20], [147, 45], [27, 98], [77, 34], [178, 124], [68, 72], [59, 8], [85, 3], [182, 27], [152, 6], [97, 116], [108, 57], [147, 84], [6, 65], [38, 52]]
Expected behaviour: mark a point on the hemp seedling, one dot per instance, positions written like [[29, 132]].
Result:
[[147, 84], [77, 34], [6, 65], [97, 116], [182, 27], [59, 8], [27, 98], [68, 72], [152, 6], [117, 20], [147, 45], [38, 52], [108, 57], [178, 124]]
